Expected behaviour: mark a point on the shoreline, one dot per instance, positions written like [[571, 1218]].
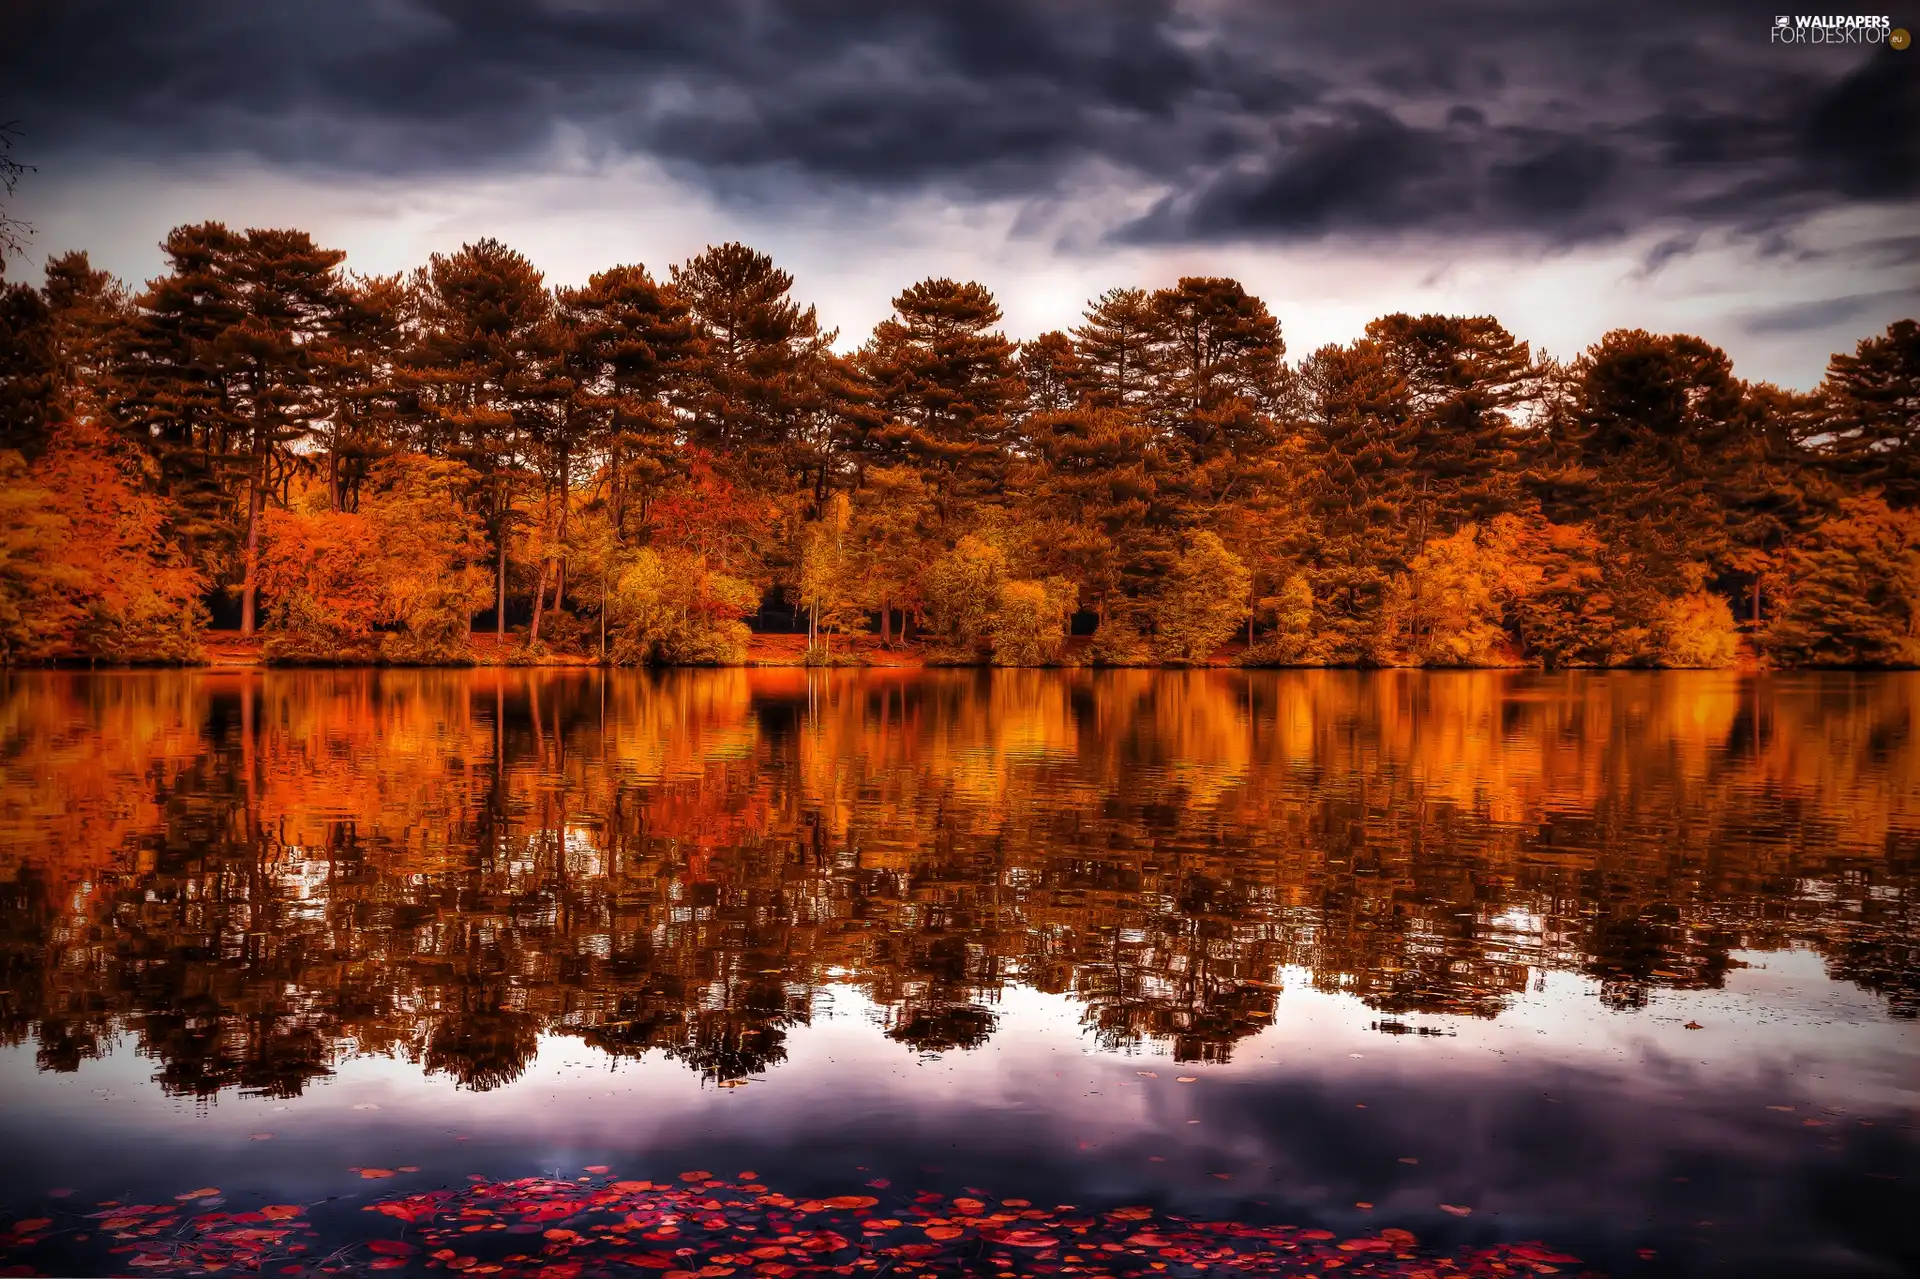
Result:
[[226, 650]]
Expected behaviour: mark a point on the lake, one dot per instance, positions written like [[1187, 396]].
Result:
[[777, 971]]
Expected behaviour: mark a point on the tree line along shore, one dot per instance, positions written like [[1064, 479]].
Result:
[[262, 455]]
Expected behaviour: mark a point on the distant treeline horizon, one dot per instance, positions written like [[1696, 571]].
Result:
[[359, 468]]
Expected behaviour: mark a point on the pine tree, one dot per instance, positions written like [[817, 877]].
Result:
[[1085, 488], [172, 393], [1873, 414], [28, 375], [1630, 453], [1218, 368], [635, 359], [477, 367], [359, 372], [290, 293], [946, 384], [1851, 589], [1462, 375], [1119, 344], [1051, 372], [754, 336], [1356, 409], [1766, 488]]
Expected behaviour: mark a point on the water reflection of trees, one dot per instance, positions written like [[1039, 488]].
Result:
[[253, 875]]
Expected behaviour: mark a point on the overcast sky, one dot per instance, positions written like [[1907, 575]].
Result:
[[1568, 167]]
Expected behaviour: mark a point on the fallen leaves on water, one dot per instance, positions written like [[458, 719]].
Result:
[[1457, 1210], [698, 1226], [1694, 1025], [165, 1240], [1187, 1079]]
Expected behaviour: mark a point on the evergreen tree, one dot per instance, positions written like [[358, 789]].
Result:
[[1462, 377], [1632, 454], [754, 335], [172, 392], [1086, 486], [361, 382], [1119, 344], [635, 357], [945, 383], [1356, 408], [476, 368], [358, 454], [1851, 590], [1872, 423], [28, 375], [1050, 372], [291, 298], [1218, 368]]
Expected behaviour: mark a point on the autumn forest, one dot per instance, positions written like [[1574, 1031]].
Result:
[[466, 463]]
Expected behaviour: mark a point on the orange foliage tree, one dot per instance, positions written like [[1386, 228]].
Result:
[[86, 570]]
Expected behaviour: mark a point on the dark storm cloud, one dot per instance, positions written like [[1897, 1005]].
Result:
[[1233, 121]]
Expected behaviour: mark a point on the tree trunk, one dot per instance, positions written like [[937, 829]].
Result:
[[250, 587], [539, 598], [886, 625], [500, 593], [1756, 599], [560, 580], [333, 479]]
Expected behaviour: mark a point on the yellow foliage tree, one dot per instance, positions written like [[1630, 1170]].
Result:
[[829, 583], [963, 593], [671, 608], [1290, 611], [1203, 603], [1445, 609], [1029, 626], [1696, 630]]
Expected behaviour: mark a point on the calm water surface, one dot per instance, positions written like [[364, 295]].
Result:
[[1624, 963]]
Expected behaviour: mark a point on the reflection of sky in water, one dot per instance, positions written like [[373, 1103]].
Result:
[[1605, 1131]]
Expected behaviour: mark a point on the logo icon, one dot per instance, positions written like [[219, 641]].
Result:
[[1899, 38], [1782, 20]]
